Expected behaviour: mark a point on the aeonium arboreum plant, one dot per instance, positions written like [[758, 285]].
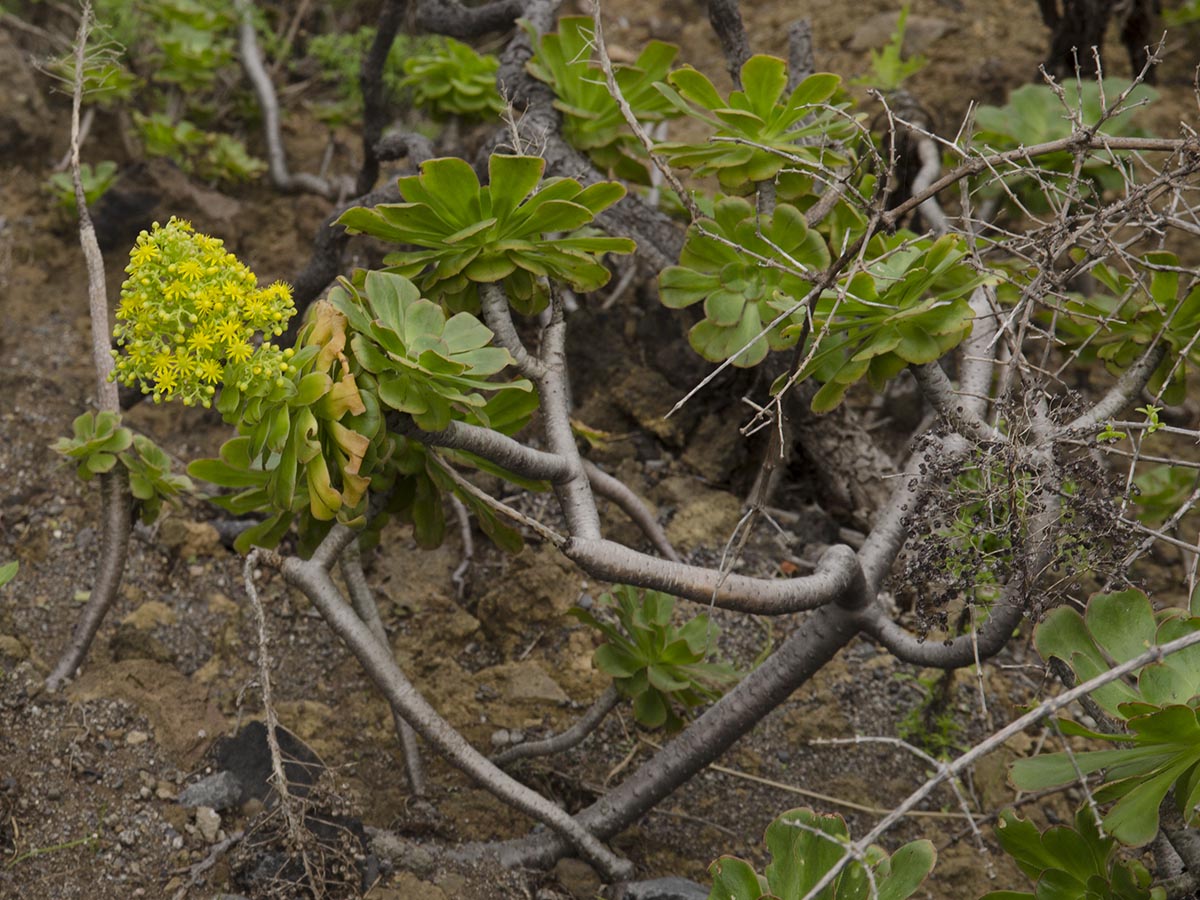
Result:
[[652, 661], [908, 306], [749, 271], [472, 234], [1160, 753], [314, 442], [804, 847], [450, 79], [100, 443], [1118, 324], [1071, 862], [759, 134], [592, 120]]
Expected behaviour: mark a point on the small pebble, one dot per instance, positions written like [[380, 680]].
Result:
[[208, 821], [134, 738]]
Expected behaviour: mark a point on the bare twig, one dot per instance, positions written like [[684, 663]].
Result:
[[635, 126], [114, 485], [297, 833], [572, 737], [196, 872], [459, 575]]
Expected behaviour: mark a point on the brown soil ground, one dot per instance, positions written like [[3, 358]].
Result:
[[88, 778]]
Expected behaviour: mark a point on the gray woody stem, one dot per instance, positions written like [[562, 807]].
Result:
[[1128, 386], [942, 396], [313, 579], [587, 723], [118, 513], [835, 575], [977, 358], [493, 303], [114, 485], [265, 91], [363, 600], [631, 504]]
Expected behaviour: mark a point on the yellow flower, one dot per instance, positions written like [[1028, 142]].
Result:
[[230, 331], [206, 299], [143, 253], [201, 340], [239, 352], [167, 383], [191, 270], [210, 370], [175, 290], [163, 365]]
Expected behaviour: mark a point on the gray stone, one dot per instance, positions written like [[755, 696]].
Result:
[[673, 888], [208, 821], [577, 877], [221, 790]]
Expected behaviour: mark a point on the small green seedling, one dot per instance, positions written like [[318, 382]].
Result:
[[96, 182], [653, 662]]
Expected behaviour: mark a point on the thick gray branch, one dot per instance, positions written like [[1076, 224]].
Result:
[[115, 496], [570, 738], [942, 396], [838, 578], [818, 639], [452, 18], [978, 355], [574, 493], [493, 303], [491, 445], [726, 21], [1128, 386], [265, 91], [114, 486], [800, 53], [378, 663], [631, 504], [363, 600]]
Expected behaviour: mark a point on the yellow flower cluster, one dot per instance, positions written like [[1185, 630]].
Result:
[[189, 312]]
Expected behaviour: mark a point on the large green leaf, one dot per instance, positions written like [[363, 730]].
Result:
[[1071, 863], [804, 847]]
